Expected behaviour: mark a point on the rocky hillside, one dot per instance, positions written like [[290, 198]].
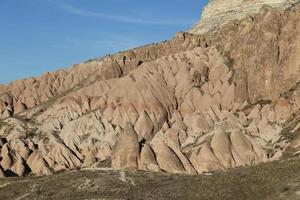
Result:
[[219, 12], [197, 103]]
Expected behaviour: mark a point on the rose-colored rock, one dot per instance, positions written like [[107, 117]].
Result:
[[195, 104]]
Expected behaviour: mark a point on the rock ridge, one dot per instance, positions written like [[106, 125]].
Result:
[[194, 104], [220, 12]]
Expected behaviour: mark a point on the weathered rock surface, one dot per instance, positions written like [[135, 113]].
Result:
[[219, 12], [125, 153], [197, 103]]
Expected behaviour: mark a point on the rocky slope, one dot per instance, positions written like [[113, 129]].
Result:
[[219, 12], [195, 104]]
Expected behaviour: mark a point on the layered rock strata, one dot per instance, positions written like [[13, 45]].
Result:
[[191, 105]]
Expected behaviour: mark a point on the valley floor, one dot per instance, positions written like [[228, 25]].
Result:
[[277, 180]]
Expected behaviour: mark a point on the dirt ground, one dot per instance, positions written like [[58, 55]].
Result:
[[271, 181]]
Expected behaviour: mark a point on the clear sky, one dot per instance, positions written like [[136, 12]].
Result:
[[43, 35]]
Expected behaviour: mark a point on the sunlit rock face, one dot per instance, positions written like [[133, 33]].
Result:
[[219, 12], [194, 104]]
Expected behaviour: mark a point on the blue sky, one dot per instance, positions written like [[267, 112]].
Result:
[[43, 35]]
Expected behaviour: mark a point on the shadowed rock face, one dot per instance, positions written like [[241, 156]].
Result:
[[197, 103]]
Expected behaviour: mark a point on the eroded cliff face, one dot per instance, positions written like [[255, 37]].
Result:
[[264, 50], [195, 104], [219, 12]]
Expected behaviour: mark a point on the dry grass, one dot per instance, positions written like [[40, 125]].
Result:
[[277, 180]]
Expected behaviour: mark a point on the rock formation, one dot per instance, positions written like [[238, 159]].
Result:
[[197, 103], [219, 12]]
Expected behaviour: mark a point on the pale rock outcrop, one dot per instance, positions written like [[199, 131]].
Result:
[[19, 167], [19, 107], [204, 160], [198, 125], [242, 148], [89, 159], [125, 153], [144, 127], [221, 147], [60, 153], [171, 138], [7, 159], [282, 110], [147, 160], [38, 165], [174, 109], [194, 104], [166, 158], [2, 107], [104, 152], [219, 12], [20, 148]]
